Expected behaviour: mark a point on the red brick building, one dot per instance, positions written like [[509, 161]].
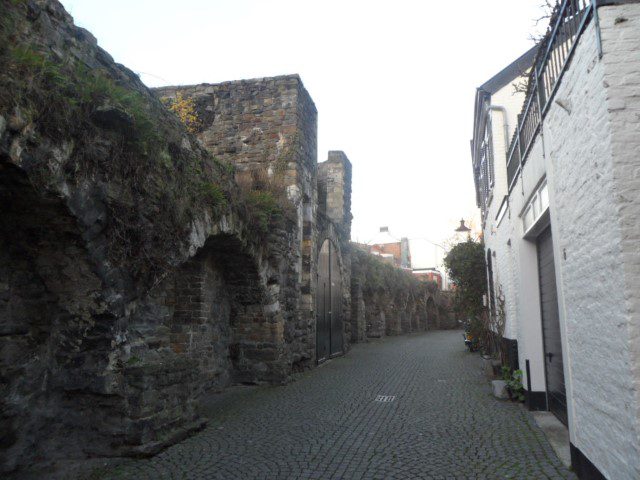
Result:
[[392, 250], [428, 275]]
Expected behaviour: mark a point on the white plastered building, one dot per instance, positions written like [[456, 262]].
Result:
[[557, 172]]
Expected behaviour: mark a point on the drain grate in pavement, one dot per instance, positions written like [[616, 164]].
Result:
[[385, 398]]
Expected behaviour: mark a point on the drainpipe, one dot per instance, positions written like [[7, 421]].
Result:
[[505, 123]]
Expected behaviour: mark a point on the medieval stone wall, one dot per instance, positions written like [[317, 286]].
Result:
[[136, 278], [267, 129], [142, 266], [389, 301], [334, 190]]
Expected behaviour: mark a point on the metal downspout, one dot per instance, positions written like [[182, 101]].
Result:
[[505, 123]]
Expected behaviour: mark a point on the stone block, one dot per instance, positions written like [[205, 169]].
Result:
[[499, 388]]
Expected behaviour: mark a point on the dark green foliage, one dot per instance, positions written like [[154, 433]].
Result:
[[213, 195], [91, 89], [25, 60], [466, 266], [113, 132], [514, 383], [61, 97], [377, 275], [225, 166], [263, 207]]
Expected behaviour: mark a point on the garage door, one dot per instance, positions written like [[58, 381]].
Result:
[[556, 395]]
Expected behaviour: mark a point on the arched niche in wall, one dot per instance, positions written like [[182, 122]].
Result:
[[432, 314], [219, 318], [57, 331]]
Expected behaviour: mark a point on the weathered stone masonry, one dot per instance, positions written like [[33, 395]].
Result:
[[388, 301], [134, 274], [98, 360], [267, 128]]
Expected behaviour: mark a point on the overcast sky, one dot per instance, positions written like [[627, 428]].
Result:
[[393, 81]]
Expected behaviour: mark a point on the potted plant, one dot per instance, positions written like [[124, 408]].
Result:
[[515, 389]]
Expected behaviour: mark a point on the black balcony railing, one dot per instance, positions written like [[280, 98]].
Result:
[[567, 23]]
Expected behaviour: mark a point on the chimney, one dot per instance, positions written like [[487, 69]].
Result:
[[384, 229]]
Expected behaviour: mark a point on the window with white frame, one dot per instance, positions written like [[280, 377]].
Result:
[[536, 207]]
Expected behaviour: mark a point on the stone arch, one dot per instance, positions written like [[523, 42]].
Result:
[[403, 299], [376, 317], [421, 312], [57, 328], [223, 316], [432, 313], [414, 321], [396, 315], [387, 305], [101, 340], [358, 311]]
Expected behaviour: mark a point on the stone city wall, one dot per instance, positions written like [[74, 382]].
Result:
[[142, 265], [389, 301], [267, 129], [137, 270]]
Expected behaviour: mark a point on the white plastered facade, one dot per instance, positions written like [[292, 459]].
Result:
[[588, 152]]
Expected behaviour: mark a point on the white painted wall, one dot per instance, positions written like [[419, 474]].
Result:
[[530, 346], [594, 157], [620, 29], [590, 156], [496, 239], [515, 262]]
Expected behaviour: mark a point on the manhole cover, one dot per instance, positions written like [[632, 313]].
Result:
[[385, 398]]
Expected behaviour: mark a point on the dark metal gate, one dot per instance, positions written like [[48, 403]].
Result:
[[329, 329], [556, 394]]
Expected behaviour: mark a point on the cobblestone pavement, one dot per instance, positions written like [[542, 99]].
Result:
[[443, 423]]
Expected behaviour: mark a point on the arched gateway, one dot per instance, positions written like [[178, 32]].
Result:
[[329, 328]]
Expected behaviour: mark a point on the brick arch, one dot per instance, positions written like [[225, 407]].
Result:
[[224, 317]]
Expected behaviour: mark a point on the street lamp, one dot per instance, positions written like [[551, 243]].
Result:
[[462, 228]]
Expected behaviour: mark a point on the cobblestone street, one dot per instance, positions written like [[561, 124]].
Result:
[[442, 423]]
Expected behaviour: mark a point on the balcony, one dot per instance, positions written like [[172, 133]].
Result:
[[567, 24]]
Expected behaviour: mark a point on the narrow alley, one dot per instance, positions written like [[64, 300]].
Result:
[[437, 420]]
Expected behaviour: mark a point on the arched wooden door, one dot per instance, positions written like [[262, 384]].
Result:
[[329, 328]]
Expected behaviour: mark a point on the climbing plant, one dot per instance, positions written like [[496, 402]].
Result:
[[466, 266], [185, 108]]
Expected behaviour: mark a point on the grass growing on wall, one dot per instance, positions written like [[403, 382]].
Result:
[[376, 275], [111, 133]]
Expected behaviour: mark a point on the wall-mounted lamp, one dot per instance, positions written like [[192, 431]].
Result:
[[462, 227]]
